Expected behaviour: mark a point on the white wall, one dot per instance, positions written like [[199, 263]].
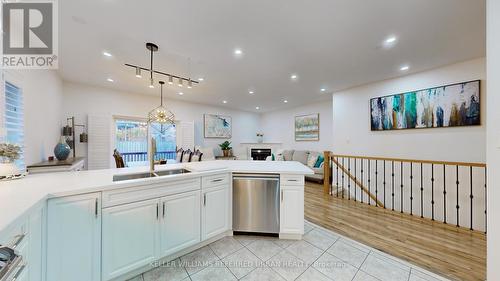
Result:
[[279, 126], [42, 97], [493, 138], [351, 120], [81, 100]]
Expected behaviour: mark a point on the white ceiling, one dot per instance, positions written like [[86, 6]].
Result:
[[329, 43]]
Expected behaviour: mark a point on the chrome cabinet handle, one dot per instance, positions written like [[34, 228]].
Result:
[[282, 196], [217, 180], [163, 209], [292, 180], [157, 211], [18, 273], [96, 207], [204, 199]]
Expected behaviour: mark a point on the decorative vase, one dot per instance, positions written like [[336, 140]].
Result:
[[260, 139], [8, 170], [226, 152], [62, 150]]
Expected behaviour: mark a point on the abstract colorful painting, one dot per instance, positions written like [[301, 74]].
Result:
[[307, 127], [446, 106], [217, 126]]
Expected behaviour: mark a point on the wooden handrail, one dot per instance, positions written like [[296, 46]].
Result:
[[326, 173], [357, 182], [451, 163]]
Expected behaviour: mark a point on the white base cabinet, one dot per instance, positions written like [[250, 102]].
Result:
[[74, 238], [292, 205], [216, 211], [180, 222], [130, 237]]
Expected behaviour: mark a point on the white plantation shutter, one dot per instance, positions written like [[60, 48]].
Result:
[[13, 119], [185, 134], [99, 151]]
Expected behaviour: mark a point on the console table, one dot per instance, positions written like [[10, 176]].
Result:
[[70, 164]]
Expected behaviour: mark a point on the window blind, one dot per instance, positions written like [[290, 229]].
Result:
[[14, 119]]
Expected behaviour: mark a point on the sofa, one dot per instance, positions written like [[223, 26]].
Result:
[[312, 159]]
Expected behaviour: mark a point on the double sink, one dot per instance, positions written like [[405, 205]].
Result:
[[149, 174]]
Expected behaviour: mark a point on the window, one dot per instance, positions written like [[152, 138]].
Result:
[[14, 121], [132, 141]]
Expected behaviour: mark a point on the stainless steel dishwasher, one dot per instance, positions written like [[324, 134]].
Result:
[[256, 203]]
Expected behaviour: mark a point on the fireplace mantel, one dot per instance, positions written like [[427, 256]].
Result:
[[274, 146]]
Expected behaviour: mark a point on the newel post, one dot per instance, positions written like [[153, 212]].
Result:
[[326, 172]]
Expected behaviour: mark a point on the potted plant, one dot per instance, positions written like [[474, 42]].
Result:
[[8, 154], [226, 148]]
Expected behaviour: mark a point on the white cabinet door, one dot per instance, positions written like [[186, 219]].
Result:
[[180, 227], [130, 237], [292, 210], [36, 230], [73, 238], [215, 211]]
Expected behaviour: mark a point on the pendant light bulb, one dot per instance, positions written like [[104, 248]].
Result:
[[138, 72], [180, 82], [190, 84], [170, 80]]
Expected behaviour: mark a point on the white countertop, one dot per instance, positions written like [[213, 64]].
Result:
[[18, 196]]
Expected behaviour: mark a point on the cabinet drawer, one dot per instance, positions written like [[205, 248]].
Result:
[[215, 180], [292, 180], [147, 191]]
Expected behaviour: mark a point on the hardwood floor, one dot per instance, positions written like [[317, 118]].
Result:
[[455, 253]]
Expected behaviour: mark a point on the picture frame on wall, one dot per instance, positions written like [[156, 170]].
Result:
[[445, 106], [307, 127], [217, 126]]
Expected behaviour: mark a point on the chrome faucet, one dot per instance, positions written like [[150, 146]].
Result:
[[152, 155]]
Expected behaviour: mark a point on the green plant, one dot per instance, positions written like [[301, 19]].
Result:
[[10, 151], [225, 145]]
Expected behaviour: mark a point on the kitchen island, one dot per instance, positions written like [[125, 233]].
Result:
[[87, 225]]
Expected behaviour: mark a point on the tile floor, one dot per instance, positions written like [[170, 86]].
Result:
[[321, 255]]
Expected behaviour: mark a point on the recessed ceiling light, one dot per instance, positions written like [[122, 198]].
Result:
[[110, 80], [257, 107], [285, 101], [404, 68], [251, 92], [238, 52], [224, 101], [323, 90], [107, 54], [201, 79], [180, 93], [294, 77], [391, 39]]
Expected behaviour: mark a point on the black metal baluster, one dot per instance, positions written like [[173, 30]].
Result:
[[392, 185], [444, 192], [411, 188], [369, 183], [432, 190], [337, 167], [355, 180], [384, 184], [471, 197], [349, 178], [376, 182], [457, 206], [485, 200], [362, 180], [401, 168], [421, 190], [343, 176]]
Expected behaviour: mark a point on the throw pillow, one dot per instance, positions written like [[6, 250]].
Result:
[[186, 156], [320, 161], [196, 156], [279, 157], [287, 155], [312, 159]]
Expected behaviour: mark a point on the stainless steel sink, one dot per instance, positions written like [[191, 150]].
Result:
[[149, 175], [133, 176], [171, 172]]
